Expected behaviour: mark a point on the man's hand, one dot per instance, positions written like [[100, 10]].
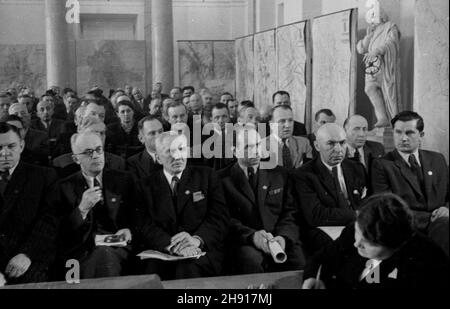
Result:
[[313, 284], [189, 251], [281, 241], [18, 266], [441, 212], [182, 241], [126, 233], [90, 198], [261, 241], [2, 280]]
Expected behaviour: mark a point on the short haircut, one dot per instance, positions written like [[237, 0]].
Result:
[[145, 119], [174, 104], [227, 93], [89, 121], [325, 111], [125, 103], [86, 102], [76, 136], [280, 92], [220, 106], [161, 139], [244, 130], [188, 88], [409, 116], [284, 107], [6, 127], [50, 102], [247, 104], [386, 220], [13, 118]]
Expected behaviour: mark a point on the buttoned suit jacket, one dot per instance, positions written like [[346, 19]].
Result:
[[392, 174], [142, 165], [299, 148]]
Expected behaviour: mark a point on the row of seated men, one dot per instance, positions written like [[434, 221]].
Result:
[[182, 208]]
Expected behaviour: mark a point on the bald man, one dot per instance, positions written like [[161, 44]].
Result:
[[359, 148], [328, 189]]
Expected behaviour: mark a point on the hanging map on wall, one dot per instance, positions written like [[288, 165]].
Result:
[[23, 65], [332, 56], [207, 64], [291, 55], [265, 67], [245, 76], [110, 64]]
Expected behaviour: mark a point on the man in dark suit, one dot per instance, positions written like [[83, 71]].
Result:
[[185, 213], [322, 117], [261, 208], [284, 98], [420, 177], [46, 122], [28, 219], [37, 149], [95, 202], [144, 163], [330, 188], [359, 148], [65, 164]]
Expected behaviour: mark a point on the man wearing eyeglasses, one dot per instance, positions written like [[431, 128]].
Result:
[[28, 220], [95, 202]]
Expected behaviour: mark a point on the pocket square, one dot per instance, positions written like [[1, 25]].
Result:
[[198, 196]]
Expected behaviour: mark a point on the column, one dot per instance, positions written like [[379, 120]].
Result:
[[148, 45], [162, 43], [59, 64], [431, 87]]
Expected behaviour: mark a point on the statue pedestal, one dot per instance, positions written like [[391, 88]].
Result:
[[384, 136]]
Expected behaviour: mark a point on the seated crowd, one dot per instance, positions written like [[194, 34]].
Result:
[[223, 181]]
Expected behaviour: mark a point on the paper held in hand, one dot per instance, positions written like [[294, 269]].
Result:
[[153, 254], [278, 255], [110, 241]]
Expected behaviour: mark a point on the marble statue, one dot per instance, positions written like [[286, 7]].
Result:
[[380, 48]]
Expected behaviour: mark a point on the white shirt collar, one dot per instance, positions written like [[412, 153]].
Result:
[[244, 169], [90, 179], [405, 156], [152, 154], [279, 140], [12, 169], [170, 176], [330, 168]]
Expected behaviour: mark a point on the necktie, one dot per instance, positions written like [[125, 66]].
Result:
[[357, 156], [287, 160], [97, 184], [174, 186], [342, 201], [252, 178], [4, 179], [417, 170]]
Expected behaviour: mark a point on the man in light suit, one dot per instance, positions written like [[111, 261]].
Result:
[[261, 209], [418, 176], [144, 163], [289, 151], [184, 213], [330, 188], [359, 148], [95, 202]]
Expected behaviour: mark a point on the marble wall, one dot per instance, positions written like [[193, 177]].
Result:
[[431, 84], [110, 64], [207, 64], [23, 65]]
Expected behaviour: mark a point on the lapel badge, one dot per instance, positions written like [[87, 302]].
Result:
[[355, 192], [265, 188], [113, 200], [430, 173], [187, 192]]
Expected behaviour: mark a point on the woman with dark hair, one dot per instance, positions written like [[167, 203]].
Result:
[[122, 138], [380, 250]]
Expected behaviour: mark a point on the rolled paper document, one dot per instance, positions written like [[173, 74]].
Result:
[[278, 255]]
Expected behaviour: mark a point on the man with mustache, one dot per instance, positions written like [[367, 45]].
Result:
[[418, 176], [328, 189]]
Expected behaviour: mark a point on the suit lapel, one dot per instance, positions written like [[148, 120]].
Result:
[[15, 186], [293, 148], [349, 180], [161, 194], [185, 190], [241, 181], [111, 198], [407, 173], [326, 178], [262, 191], [145, 162], [367, 156], [427, 169]]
